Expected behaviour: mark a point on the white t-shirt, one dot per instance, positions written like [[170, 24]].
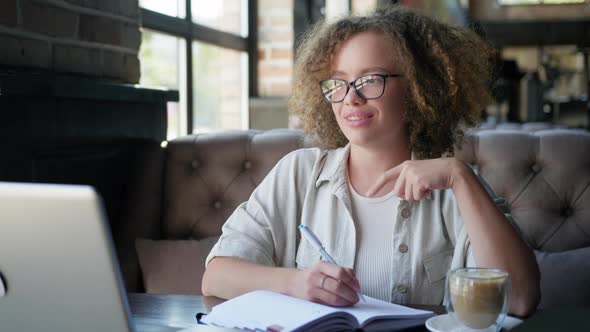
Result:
[[374, 219]]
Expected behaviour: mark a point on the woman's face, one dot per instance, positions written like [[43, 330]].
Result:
[[370, 122]]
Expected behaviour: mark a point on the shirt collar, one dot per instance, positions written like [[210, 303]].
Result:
[[335, 167]]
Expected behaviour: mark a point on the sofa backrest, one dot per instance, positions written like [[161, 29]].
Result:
[[209, 175], [543, 176], [526, 126]]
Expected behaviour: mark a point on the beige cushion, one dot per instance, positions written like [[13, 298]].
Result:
[[173, 266]]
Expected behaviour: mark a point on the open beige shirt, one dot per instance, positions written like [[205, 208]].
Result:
[[309, 186]]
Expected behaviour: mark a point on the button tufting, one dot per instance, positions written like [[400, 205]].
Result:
[[247, 165], [217, 205], [567, 212], [536, 168], [195, 164], [402, 289]]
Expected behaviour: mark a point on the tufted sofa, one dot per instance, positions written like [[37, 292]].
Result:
[[544, 177], [526, 126]]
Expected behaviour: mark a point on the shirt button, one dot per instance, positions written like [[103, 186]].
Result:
[[406, 213], [403, 248], [402, 289]]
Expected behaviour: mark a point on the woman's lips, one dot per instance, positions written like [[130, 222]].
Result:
[[357, 119]]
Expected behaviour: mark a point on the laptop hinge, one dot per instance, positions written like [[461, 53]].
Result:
[[2, 286]]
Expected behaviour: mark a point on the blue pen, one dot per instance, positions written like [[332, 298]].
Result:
[[317, 244]]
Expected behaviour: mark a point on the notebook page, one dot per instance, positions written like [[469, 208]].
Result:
[[261, 309], [374, 307]]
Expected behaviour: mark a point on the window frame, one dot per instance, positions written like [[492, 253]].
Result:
[[190, 31]]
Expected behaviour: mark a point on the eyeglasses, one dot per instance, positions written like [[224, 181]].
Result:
[[368, 87]]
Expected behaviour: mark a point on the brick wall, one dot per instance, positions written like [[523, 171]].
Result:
[[98, 38], [275, 47], [275, 42]]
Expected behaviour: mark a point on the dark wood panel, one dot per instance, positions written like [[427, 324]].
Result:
[[27, 82], [535, 33]]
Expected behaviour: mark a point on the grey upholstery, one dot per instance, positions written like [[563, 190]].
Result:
[[208, 176], [565, 277], [544, 176], [526, 126]]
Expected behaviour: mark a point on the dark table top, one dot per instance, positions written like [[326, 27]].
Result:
[[154, 312], [171, 313]]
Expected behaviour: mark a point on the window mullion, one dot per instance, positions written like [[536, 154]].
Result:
[[189, 67], [253, 48]]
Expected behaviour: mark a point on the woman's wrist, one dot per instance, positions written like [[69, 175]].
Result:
[[289, 282], [460, 171]]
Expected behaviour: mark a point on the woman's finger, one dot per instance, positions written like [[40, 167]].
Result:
[[357, 285], [336, 272], [408, 189], [400, 184], [418, 192], [390, 175], [335, 292]]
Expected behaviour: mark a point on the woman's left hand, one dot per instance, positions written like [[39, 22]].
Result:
[[415, 179]]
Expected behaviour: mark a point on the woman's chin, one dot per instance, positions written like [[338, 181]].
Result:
[[362, 139]]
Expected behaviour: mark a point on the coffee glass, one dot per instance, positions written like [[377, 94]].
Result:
[[477, 298]]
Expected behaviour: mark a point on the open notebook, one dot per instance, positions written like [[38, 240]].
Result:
[[269, 311]]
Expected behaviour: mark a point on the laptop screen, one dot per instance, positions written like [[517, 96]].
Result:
[[57, 261]]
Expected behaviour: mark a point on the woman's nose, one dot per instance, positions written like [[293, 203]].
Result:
[[352, 97]]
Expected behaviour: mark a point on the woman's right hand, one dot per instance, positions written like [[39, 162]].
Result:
[[326, 283]]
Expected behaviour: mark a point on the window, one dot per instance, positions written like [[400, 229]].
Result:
[[226, 15], [162, 65], [220, 78], [204, 49], [168, 7]]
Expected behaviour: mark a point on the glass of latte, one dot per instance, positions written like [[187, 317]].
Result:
[[477, 298]]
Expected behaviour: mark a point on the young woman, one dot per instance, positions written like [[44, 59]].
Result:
[[386, 95]]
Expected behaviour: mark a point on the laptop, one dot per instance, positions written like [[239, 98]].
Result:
[[58, 268]]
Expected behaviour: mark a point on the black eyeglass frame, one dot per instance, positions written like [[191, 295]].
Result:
[[351, 83]]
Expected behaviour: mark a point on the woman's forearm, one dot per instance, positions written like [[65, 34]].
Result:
[[228, 277], [494, 241]]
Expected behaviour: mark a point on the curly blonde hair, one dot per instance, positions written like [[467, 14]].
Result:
[[446, 69]]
